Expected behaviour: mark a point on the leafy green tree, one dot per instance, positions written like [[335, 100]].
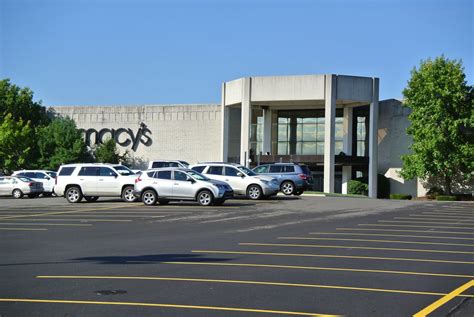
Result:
[[17, 143], [107, 152], [61, 142], [442, 112]]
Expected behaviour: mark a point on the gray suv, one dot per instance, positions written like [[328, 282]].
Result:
[[293, 178]]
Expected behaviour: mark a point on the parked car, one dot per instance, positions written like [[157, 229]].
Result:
[[242, 180], [17, 186], [293, 178], [167, 163], [91, 181], [166, 184], [47, 178]]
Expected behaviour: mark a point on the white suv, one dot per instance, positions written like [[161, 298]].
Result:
[[90, 181], [242, 180], [47, 178]]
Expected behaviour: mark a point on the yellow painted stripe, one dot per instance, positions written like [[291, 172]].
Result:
[[443, 300], [427, 222], [381, 241], [415, 226], [401, 230], [215, 308], [352, 247], [331, 256], [69, 219], [203, 280], [293, 267], [440, 220], [390, 235], [46, 224], [25, 229]]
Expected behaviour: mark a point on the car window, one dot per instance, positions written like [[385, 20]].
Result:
[[276, 169], [105, 171], [215, 170], [261, 169], [180, 176], [41, 175], [184, 163], [163, 175], [23, 179], [173, 164], [66, 171], [157, 165], [199, 169], [247, 171], [30, 174], [123, 170], [151, 174], [198, 176], [88, 171], [52, 174], [4, 180], [305, 170], [289, 169], [230, 171]]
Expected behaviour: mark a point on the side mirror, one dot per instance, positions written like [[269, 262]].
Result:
[[240, 174], [190, 179], [47, 178]]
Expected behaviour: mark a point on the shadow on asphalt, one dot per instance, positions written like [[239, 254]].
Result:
[[150, 259]]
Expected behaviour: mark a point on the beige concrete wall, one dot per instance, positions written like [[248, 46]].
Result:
[[186, 132]]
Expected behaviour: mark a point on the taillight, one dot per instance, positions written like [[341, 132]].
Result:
[[30, 184], [138, 179], [303, 176]]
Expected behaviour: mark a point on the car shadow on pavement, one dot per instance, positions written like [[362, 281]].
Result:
[[150, 259]]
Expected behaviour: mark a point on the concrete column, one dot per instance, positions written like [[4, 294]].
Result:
[[267, 131], [245, 122], [373, 139], [347, 146], [329, 129], [224, 127]]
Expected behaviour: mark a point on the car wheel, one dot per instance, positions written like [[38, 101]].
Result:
[[91, 198], [74, 194], [127, 194], [163, 201], [205, 198], [17, 193], [254, 192], [149, 197], [287, 188]]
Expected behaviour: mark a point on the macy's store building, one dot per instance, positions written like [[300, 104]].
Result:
[[335, 124]]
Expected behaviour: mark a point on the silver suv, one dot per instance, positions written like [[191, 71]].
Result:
[[47, 178], [242, 180], [91, 181], [165, 184], [293, 178]]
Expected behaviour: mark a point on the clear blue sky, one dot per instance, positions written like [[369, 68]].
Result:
[[105, 52]]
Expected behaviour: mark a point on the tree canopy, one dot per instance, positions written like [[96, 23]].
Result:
[[442, 116], [107, 152]]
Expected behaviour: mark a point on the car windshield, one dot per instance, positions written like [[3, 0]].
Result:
[[123, 170], [25, 179], [52, 174], [247, 171], [184, 163], [197, 175]]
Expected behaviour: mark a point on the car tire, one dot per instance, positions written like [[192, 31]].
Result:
[[91, 199], [287, 188], [127, 194], [254, 192], [149, 197], [17, 193], [205, 198], [74, 194]]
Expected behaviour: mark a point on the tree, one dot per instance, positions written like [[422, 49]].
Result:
[[17, 143], [61, 142], [442, 110], [107, 153]]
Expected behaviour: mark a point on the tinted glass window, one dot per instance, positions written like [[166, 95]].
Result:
[[123, 170], [20, 174], [151, 174], [199, 169], [289, 169], [52, 174], [215, 170], [261, 169], [276, 169], [180, 176], [306, 170], [88, 171], [230, 171], [163, 175], [105, 171], [41, 175], [157, 165], [30, 174], [66, 171]]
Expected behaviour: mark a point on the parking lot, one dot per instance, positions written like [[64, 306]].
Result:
[[301, 256]]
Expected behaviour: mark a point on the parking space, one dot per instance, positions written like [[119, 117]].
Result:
[[308, 256]]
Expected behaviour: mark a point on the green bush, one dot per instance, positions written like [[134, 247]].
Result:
[[433, 192], [400, 196], [383, 186], [357, 187], [446, 198]]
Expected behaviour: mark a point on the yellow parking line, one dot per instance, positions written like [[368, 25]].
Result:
[[69, 219], [46, 224], [401, 230], [25, 229], [351, 247], [180, 279], [443, 300], [330, 256], [426, 222], [293, 267], [381, 241], [216, 308], [413, 226], [390, 235], [440, 220]]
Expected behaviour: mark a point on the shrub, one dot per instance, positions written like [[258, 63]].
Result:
[[383, 186], [357, 187], [446, 198], [400, 196], [433, 192]]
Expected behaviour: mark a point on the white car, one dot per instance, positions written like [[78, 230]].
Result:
[[94, 180], [47, 178], [167, 163], [17, 186], [242, 180], [165, 184]]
